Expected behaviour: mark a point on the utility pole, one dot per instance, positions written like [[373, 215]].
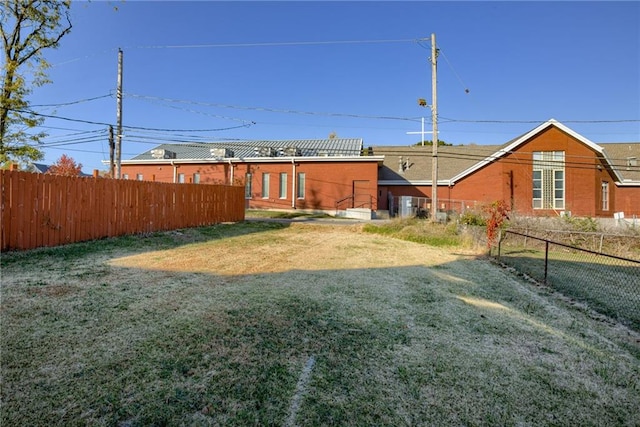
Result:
[[434, 120], [111, 149], [119, 116]]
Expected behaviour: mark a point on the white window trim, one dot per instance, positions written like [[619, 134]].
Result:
[[300, 187], [542, 164], [266, 183], [248, 186], [282, 186], [605, 195]]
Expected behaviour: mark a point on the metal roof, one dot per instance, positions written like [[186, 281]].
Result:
[[251, 149]]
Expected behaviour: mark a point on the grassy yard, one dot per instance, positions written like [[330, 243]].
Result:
[[609, 285], [266, 323]]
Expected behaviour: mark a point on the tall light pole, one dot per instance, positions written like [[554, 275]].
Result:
[[434, 121]]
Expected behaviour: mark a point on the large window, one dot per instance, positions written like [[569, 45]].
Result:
[[605, 195], [283, 185], [548, 180], [248, 188], [181, 178], [196, 178], [300, 185], [266, 180]]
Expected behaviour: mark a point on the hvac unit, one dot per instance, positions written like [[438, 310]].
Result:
[[291, 152], [160, 153], [221, 153], [405, 207], [265, 152]]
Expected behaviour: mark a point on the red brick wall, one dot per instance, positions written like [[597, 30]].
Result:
[[582, 178], [326, 182], [627, 201], [510, 179]]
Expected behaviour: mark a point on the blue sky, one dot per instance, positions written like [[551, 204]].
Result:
[[223, 66]]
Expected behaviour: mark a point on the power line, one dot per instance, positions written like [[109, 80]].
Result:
[[50, 116], [477, 158], [271, 44], [273, 110], [450, 120], [80, 101]]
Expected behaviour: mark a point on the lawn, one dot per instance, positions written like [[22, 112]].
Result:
[[264, 323]]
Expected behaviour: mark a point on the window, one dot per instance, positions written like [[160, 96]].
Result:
[[605, 195], [283, 186], [300, 185], [125, 176], [139, 177], [181, 178], [247, 186], [265, 185], [548, 180], [196, 178]]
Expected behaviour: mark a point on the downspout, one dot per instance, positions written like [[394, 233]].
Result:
[[175, 171], [293, 183], [230, 172]]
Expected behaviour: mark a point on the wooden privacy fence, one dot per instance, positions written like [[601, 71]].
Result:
[[49, 210]]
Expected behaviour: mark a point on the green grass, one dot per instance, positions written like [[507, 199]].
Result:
[[609, 285], [451, 340], [421, 231]]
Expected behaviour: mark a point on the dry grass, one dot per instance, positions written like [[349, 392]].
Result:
[[215, 326]]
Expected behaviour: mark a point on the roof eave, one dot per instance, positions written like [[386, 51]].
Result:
[[305, 159], [392, 182]]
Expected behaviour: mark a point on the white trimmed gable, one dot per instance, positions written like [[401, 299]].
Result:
[[526, 137]]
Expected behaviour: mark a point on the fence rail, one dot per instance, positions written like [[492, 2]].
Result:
[[50, 210], [410, 206], [607, 283]]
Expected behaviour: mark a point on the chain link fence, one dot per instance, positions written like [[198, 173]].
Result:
[[606, 283]]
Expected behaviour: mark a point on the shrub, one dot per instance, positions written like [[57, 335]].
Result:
[[498, 212], [472, 218]]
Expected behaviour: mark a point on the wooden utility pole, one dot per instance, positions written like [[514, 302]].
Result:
[[434, 120], [119, 116], [111, 150]]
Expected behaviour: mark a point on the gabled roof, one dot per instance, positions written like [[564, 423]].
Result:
[[247, 149], [457, 162], [451, 160], [514, 144], [39, 167], [625, 159]]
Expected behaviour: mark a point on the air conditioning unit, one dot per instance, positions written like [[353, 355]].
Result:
[[221, 153], [291, 151], [265, 151], [161, 153]]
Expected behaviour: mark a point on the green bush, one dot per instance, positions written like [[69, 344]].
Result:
[[472, 218]]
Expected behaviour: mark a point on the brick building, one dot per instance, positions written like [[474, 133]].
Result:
[[325, 175], [549, 170]]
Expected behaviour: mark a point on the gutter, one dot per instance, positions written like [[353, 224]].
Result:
[[293, 183]]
